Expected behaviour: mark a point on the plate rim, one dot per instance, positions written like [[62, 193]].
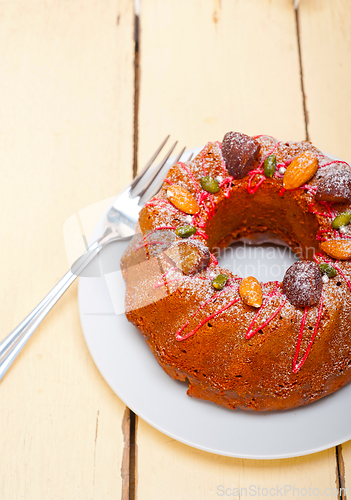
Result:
[[164, 430]]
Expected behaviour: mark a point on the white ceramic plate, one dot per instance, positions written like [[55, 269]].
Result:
[[129, 367]]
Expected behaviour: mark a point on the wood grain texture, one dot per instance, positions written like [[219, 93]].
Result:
[[325, 49], [66, 141], [171, 470], [208, 67]]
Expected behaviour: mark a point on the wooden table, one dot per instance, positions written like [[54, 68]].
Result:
[[80, 104]]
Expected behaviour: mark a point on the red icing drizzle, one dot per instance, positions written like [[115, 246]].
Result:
[[274, 292], [251, 334], [297, 366], [224, 308], [332, 162], [227, 178], [157, 201], [161, 281], [213, 259], [322, 214]]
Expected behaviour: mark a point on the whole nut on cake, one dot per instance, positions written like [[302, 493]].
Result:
[[300, 170], [338, 249], [239, 152], [182, 199], [251, 292], [335, 186], [240, 343], [302, 284], [190, 256]]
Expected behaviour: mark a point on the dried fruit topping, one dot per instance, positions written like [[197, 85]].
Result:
[[190, 256], [185, 231], [302, 284], [209, 184], [219, 281], [327, 270], [251, 292], [300, 170], [182, 199], [342, 219], [338, 249], [335, 186], [269, 165], [239, 152]]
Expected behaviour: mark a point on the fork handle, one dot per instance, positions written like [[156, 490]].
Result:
[[11, 346]]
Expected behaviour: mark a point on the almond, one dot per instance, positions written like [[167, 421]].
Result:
[[338, 249], [182, 199], [300, 170], [251, 292]]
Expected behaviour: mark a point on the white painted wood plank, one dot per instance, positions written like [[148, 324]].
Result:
[[171, 470], [66, 141], [208, 67]]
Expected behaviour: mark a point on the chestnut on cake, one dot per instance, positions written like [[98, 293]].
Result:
[[238, 342]]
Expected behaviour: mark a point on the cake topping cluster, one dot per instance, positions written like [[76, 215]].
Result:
[[239, 152], [303, 284], [303, 281]]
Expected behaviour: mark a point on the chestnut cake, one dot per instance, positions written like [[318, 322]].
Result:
[[238, 342]]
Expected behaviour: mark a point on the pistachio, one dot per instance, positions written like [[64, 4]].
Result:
[[185, 231], [209, 184], [220, 281], [342, 219], [269, 165], [327, 270]]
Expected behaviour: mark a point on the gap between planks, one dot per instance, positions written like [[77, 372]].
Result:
[[305, 112], [132, 417], [340, 473]]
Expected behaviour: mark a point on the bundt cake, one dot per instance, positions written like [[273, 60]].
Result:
[[238, 342]]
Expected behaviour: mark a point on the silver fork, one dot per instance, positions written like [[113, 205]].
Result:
[[120, 223]]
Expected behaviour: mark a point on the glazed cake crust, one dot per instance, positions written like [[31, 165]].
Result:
[[274, 357]]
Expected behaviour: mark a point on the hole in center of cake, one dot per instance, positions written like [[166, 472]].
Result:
[[266, 261]]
